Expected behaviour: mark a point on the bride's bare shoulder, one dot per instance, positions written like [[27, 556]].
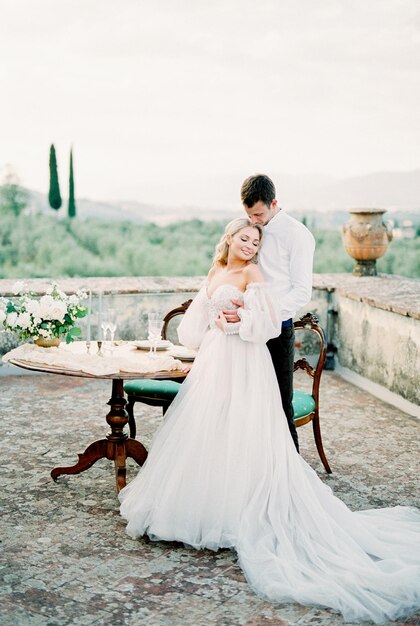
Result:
[[253, 274], [215, 269]]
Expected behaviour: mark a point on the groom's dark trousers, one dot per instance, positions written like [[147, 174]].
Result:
[[282, 350]]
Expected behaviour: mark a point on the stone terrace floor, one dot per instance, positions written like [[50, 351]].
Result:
[[65, 557]]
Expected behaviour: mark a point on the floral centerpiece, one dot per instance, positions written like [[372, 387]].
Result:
[[43, 318]]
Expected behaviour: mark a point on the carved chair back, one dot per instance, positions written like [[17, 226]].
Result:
[[310, 322]]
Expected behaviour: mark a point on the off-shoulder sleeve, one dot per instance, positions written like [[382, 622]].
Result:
[[259, 318], [195, 322]]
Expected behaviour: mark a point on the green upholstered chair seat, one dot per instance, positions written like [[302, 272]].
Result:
[[303, 403], [159, 389]]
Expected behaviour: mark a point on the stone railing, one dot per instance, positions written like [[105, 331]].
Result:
[[372, 323]]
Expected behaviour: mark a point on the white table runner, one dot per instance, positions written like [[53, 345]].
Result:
[[124, 358]]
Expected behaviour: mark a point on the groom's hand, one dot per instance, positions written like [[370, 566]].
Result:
[[221, 321], [231, 315]]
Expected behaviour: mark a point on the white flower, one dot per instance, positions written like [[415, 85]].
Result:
[[45, 305], [58, 310], [18, 287], [11, 319], [32, 306], [50, 309], [23, 320], [55, 309]]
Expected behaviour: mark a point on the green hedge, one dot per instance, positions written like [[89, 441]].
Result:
[[43, 246]]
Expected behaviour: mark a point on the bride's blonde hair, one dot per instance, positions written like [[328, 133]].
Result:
[[222, 248]]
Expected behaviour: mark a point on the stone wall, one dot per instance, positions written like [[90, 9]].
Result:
[[377, 329], [380, 345], [372, 322]]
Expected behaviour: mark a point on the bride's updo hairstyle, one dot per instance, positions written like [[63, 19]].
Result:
[[222, 248]]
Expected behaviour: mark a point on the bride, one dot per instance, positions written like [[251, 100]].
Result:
[[223, 472]]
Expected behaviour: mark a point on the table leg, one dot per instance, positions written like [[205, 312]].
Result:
[[116, 447]]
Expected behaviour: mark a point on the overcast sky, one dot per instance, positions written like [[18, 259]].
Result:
[[159, 94]]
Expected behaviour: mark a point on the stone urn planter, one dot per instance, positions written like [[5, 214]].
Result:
[[366, 238], [48, 343]]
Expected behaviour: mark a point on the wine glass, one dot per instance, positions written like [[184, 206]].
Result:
[[154, 332], [109, 323], [105, 327], [111, 316]]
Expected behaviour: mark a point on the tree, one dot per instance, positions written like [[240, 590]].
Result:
[[72, 202], [54, 197], [13, 198]]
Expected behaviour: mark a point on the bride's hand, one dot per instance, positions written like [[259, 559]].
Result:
[[221, 321]]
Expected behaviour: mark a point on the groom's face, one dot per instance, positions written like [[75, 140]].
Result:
[[261, 213]]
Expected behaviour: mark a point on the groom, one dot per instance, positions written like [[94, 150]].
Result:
[[286, 258]]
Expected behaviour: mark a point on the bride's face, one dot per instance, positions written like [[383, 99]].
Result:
[[245, 243]]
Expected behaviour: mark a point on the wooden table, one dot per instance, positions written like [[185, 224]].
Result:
[[117, 446]]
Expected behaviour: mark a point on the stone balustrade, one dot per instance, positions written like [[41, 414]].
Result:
[[372, 323]]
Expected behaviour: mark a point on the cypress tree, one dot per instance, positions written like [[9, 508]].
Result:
[[72, 202], [54, 197]]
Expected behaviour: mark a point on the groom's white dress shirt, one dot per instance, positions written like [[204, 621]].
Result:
[[286, 260]]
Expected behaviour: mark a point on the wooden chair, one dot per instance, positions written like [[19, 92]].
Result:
[[154, 392], [305, 404]]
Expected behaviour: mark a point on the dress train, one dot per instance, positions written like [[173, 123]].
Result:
[[223, 472]]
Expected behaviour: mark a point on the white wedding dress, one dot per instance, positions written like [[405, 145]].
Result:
[[223, 471]]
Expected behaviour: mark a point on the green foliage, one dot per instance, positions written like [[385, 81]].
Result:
[[330, 255], [72, 201], [13, 198], [54, 197], [73, 334], [402, 256], [41, 246]]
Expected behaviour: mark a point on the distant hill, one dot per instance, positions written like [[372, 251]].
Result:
[[388, 190], [132, 211], [91, 208], [326, 199], [335, 219]]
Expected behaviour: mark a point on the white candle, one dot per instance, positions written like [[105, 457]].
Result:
[[88, 335], [100, 316]]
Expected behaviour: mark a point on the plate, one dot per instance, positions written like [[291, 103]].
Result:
[[185, 354], [146, 345]]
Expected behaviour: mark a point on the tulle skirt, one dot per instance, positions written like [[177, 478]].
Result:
[[223, 472]]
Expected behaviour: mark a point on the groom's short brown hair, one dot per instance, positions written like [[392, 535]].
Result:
[[257, 187]]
